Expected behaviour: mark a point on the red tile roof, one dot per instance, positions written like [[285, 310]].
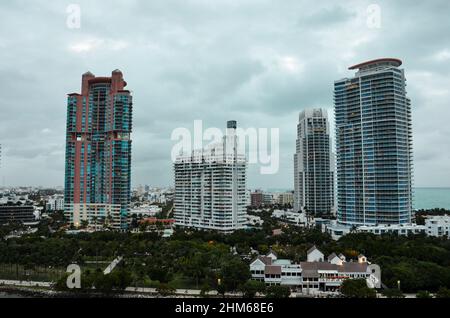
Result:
[[360, 65]]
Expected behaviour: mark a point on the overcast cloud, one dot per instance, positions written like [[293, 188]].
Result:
[[258, 62]]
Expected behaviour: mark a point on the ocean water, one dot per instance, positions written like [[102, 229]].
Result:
[[429, 198], [424, 198]]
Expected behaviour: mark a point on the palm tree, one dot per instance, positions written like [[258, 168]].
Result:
[[84, 224], [94, 220], [108, 221]]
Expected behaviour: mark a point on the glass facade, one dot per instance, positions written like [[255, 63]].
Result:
[[313, 165], [98, 151]]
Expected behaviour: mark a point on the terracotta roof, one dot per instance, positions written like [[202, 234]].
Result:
[[153, 220], [272, 270], [277, 232], [360, 65]]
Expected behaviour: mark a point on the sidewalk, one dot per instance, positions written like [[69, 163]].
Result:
[[23, 283]]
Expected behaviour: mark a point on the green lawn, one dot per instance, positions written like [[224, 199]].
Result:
[[36, 273]]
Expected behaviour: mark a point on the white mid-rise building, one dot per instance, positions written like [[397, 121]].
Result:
[[438, 225], [210, 186], [55, 203]]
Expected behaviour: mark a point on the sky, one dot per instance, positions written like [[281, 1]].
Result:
[[259, 62]]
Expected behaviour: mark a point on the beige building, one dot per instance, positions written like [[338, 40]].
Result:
[[286, 198]]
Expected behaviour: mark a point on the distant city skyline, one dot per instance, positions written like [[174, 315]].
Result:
[[184, 63]]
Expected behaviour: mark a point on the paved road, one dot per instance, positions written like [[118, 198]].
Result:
[[187, 292], [143, 290], [113, 264], [23, 283], [169, 211]]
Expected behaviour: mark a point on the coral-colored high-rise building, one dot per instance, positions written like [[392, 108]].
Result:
[[98, 152]]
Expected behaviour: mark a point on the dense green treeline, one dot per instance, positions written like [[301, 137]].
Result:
[[419, 262], [207, 260]]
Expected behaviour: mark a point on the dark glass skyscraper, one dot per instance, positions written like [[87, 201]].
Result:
[[98, 152], [374, 145]]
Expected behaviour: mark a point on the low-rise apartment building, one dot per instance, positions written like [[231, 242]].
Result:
[[11, 213], [438, 225], [274, 271], [295, 218], [254, 220], [315, 275], [55, 203], [337, 230], [256, 199]]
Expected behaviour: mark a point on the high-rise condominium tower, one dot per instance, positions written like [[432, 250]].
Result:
[[98, 152], [314, 165], [374, 145], [210, 186]]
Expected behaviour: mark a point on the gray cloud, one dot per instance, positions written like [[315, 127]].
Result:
[[325, 17], [259, 62]]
